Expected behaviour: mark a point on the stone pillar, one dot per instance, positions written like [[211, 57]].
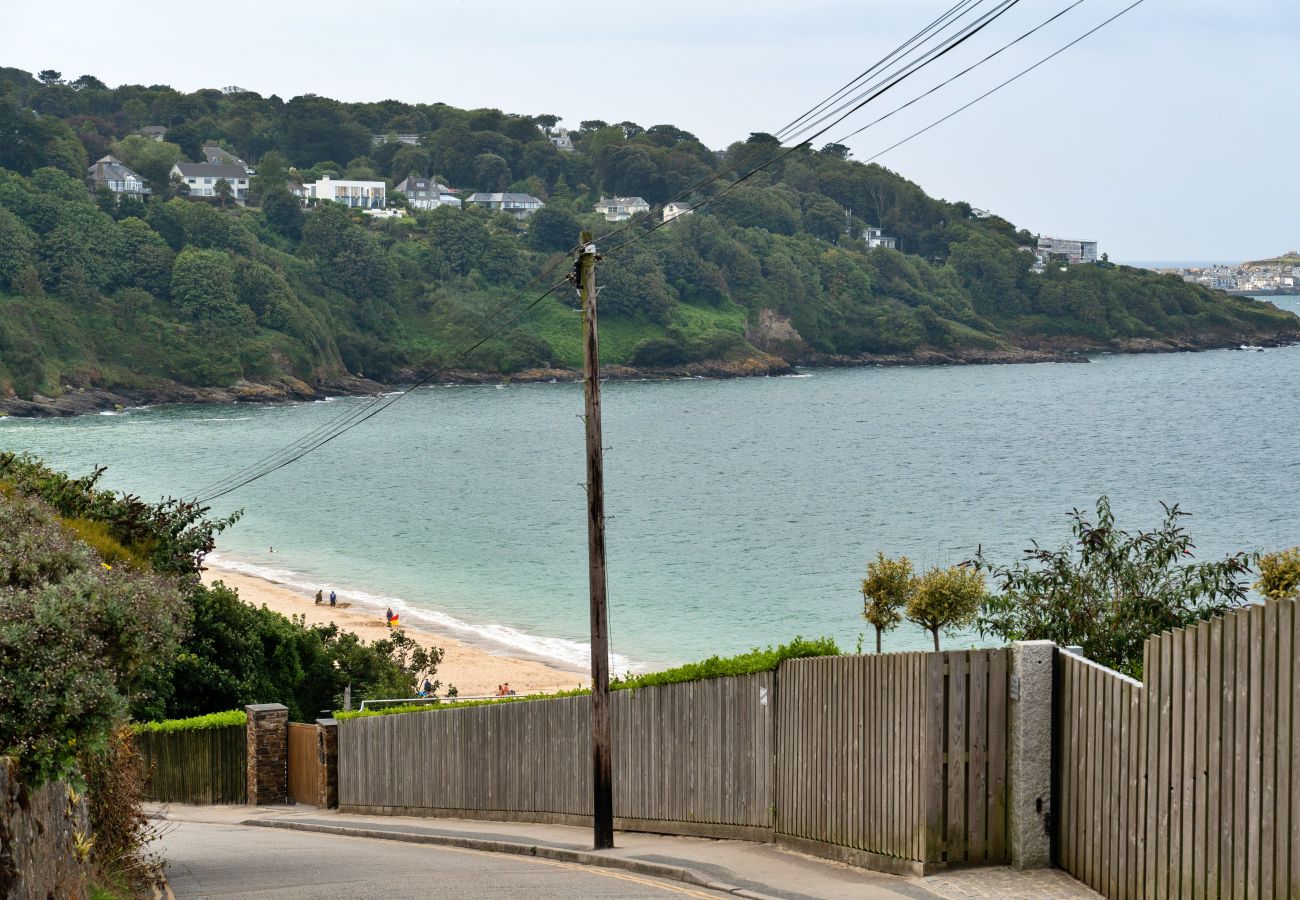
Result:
[[1030, 775], [268, 753], [327, 736]]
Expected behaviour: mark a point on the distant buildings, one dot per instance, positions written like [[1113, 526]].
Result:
[[352, 194], [561, 140], [202, 178], [404, 138], [1065, 250], [521, 206], [876, 237], [425, 193], [673, 210], [112, 174], [153, 132], [620, 209], [1277, 276], [214, 155]]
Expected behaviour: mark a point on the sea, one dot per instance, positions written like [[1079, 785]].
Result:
[[741, 513]]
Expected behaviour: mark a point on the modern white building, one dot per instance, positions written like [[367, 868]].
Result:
[[521, 206], [425, 193], [1069, 249], [673, 210], [620, 209], [876, 237], [352, 194], [202, 178], [111, 173]]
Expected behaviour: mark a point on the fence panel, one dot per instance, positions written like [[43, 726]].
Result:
[[200, 766], [694, 757], [1185, 785], [306, 763], [895, 761]]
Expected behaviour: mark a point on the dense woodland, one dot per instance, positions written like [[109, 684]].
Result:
[[96, 291]]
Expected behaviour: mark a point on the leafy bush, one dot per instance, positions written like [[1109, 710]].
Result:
[[115, 783], [1279, 574], [195, 723]]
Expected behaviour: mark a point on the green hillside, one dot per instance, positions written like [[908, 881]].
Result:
[[177, 291]]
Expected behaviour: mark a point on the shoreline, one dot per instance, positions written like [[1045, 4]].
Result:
[[96, 400], [473, 669]]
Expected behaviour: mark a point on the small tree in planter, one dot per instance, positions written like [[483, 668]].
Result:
[[946, 599], [886, 590]]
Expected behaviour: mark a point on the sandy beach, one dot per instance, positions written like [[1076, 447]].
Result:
[[475, 671]]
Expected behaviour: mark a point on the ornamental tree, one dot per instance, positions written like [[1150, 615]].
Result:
[[946, 599], [1109, 590], [1279, 575], [886, 590]]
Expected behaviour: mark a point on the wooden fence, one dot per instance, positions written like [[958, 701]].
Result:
[[690, 758], [307, 772], [895, 761], [201, 766], [1188, 784]]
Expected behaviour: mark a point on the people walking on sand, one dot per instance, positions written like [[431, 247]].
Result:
[[333, 598], [388, 617], [428, 688], [320, 598]]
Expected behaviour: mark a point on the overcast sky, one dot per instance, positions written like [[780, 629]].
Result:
[[1171, 134]]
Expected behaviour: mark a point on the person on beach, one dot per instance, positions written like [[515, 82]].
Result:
[[320, 598], [333, 598], [428, 688], [388, 617]]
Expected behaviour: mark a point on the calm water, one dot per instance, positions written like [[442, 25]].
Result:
[[740, 512]]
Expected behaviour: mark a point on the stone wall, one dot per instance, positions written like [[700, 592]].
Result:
[[38, 839], [329, 744], [268, 753]]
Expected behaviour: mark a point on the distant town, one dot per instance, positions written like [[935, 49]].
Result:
[[1280, 275]]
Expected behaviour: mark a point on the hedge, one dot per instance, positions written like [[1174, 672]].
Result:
[[195, 723]]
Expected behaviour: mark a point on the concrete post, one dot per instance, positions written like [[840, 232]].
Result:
[[1030, 776], [268, 753], [328, 735]]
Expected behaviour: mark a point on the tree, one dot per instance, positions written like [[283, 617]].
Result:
[[201, 285], [886, 590], [1111, 590], [152, 159], [223, 191], [50, 76], [946, 599], [1279, 574], [283, 212], [824, 218], [491, 172], [552, 229], [839, 151]]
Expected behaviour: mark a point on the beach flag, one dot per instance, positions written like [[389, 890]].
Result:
[[392, 623]]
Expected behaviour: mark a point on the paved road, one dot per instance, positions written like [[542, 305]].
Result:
[[205, 860]]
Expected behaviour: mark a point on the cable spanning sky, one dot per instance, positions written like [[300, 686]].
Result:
[[1170, 135]]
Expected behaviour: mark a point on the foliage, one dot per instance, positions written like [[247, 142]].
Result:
[[115, 785], [195, 723], [750, 663], [886, 590], [946, 599], [76, 639], [1111, 589], [1279, 574]]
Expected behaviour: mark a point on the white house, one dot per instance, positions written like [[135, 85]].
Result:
[[620, 209], [876, 237], [352, 194], [111, 173], [425, 193], [1074, 251], [521, 206], [673, 210], [560, 138], [399, 138], [201, 178]]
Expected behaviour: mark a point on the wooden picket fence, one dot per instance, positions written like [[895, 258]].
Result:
[[200, 766], [897, 762], [1188, 783]]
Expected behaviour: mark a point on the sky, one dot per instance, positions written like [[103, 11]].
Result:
[[1171, 134]]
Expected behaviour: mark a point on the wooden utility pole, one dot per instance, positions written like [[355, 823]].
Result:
[[602, 766]]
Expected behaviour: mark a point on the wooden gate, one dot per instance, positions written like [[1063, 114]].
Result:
[[307, 772]]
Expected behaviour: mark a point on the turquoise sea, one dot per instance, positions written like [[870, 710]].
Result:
[[741, 512]]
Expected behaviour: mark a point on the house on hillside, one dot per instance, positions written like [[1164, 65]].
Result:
[[111, 173], [352, 194], [1067, 250], [214, 155], [425, 193], [404, 138], [876, 237], [673, 210], [153, 132], [561, 140], [201, 178], [620, 209], [521, 206]]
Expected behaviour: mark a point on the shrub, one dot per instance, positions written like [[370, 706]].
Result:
[[195, 723], [115, 783], [1279, 574]]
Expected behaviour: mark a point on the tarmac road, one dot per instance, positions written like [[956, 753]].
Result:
[[206, 860]]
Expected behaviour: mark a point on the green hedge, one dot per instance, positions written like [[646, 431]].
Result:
[[196, 723], [756, 660]]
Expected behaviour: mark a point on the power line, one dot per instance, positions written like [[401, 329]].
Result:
[[999, 87]]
